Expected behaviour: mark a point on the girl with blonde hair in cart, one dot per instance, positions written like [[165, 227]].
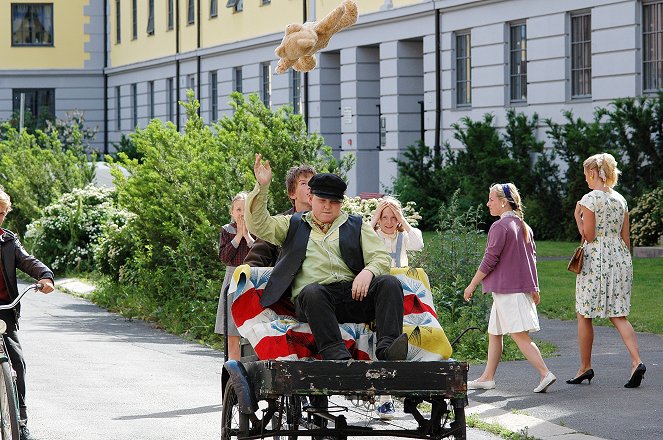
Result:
[[508, 270], [398, 237]]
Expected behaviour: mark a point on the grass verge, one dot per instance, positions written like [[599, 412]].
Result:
[[558, 293]]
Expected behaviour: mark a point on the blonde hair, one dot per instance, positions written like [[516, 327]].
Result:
[[239, 196], [606, 167], [5, 200], [515, 202], [384, 203]]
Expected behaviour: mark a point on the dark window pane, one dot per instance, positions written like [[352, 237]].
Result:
[[32, 24], [191, 13], [39, 106], [118, 22]]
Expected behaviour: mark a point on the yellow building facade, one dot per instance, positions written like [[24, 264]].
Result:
[[65, 35]]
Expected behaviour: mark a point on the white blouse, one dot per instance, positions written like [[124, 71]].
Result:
[[411, 240]]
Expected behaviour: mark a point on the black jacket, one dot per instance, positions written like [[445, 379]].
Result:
[[263, 253], [294, 252], [13, 256]]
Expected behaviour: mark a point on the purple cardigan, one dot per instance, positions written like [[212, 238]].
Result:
[[509, 262]]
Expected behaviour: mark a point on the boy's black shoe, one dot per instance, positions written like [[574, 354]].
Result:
[[397, 351]]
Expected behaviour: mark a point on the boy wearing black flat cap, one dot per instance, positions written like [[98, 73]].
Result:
[[333, 265]]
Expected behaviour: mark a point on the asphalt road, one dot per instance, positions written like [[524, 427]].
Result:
[[95, 375], [603, 409]]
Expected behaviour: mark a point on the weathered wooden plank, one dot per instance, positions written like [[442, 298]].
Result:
[[402, 379]]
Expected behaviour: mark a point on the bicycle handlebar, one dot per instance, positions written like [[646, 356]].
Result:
[[20, 296]]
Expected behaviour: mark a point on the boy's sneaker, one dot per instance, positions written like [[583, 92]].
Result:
[[386, 411]]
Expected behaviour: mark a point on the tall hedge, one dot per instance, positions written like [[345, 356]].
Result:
[[36, 169]]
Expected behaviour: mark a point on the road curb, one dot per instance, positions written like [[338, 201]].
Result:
[[537, 428], [74, 286]]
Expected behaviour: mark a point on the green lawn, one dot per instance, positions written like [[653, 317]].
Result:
[[558, 293], [543, 248], [558, 286]]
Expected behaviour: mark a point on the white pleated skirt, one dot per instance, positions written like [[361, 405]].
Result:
[[513, 313]]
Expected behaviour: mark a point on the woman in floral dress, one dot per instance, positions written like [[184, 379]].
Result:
[[603, 287]]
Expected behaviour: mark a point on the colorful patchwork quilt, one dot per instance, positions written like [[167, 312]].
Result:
[[275, 333]]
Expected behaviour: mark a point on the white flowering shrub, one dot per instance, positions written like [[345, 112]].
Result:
[[69, 229], [365, 208]]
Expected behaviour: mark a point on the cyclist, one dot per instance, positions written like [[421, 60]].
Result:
[[13, 256]]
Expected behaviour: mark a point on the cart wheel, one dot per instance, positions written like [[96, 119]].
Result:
[[233, 421], [287, 416]]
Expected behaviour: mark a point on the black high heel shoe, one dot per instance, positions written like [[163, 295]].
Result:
[[636, 377], [589, 375]]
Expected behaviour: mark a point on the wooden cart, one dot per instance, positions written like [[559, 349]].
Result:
[[287, 399]]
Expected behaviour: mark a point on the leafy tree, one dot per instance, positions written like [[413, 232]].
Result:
[[35, 170], [636, 125], [421, 180], [573, 142], [72, 131]]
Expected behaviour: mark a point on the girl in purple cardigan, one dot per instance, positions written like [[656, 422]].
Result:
[[508, 270]]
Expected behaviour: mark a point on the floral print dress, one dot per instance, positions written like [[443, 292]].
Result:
[[603, 287]]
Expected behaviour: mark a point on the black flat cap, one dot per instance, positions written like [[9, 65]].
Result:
[[328, 186]]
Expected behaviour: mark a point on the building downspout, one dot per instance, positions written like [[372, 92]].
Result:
[[177, 63], [438, 93], [105, 77], [198, 59], [306, 116]]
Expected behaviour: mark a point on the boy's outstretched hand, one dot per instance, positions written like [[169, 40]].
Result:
[[262, 170]]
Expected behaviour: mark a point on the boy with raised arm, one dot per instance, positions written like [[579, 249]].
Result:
[[332, 264]]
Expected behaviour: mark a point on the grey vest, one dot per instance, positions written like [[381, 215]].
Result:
[[294, 252]]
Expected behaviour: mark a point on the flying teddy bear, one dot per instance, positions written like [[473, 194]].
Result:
[[302, 41]]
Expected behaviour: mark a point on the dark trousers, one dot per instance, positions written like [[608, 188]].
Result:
[[15, 353], [324, 307]]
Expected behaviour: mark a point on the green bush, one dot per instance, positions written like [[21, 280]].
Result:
[[365, 208], [647, 219], [64, 237], [636, 126], [36, 170], [421, 180]]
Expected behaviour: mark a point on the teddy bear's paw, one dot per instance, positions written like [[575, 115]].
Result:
[[283, 65], [350, 15], [305, 64]]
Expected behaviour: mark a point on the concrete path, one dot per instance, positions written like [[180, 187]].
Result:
[[604, 409], [93, 375]]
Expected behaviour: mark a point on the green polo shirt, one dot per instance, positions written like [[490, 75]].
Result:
[[323, 263]]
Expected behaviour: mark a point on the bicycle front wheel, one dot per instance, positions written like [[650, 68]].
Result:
[[9, 429]]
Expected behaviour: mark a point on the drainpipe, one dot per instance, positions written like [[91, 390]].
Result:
[[105, 77], [177, 63], [198, 60], [438, 93], [306, 116]]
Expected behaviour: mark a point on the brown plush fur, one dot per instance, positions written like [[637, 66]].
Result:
[[302, 41]]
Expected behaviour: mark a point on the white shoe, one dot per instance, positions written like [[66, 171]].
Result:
[[548, 380], [483, 385]]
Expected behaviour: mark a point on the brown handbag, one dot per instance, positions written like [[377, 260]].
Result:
[[575, 265]]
